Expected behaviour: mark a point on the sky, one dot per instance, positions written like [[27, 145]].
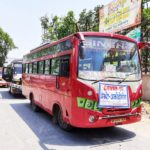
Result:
[[21, 19]]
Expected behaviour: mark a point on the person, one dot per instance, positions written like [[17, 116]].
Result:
[[111, 55]]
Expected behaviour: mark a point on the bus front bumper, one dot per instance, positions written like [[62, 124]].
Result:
[[16, 89], [118, 116], [90, 119]]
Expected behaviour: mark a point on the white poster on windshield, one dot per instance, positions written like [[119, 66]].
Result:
[[113, 96]]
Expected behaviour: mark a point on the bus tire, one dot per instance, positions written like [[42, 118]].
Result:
[[55, 114], [35, 108], [63, 125]]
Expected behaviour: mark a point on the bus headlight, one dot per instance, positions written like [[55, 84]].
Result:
[[92, 118], [89, 93]]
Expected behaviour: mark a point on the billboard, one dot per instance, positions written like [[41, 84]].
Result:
[[119, 15], [135, 34]]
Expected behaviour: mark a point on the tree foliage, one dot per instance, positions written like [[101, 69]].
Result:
[[146, 13], [146, 38], [89, 20], [146, 23], [6, 44], [59, 27]]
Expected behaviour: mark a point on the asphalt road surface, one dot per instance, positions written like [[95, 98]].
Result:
[[23, 129]]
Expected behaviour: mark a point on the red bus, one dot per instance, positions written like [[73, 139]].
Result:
[[86, 80]]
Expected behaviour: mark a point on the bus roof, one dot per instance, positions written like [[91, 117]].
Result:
[[103, 34], [17, 61], [40, 46], [80, 35]]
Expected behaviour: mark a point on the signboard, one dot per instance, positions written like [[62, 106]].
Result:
[[113, 96], [119, 15], [135, 34]]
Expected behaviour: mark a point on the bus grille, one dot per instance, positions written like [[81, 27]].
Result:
[[110, 111]]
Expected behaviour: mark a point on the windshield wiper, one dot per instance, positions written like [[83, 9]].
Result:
[[127, 77], [108, 77]]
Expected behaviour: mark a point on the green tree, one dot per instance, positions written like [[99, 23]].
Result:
[[54, 25], [6, 44], [82, 23], [86, 20], [45, 25], [146, 24], [67, 25], [146, 37], [96, 18], [89, 20], [58, 27]]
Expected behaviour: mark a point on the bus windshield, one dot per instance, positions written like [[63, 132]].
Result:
[[109, 57], [17, 69]]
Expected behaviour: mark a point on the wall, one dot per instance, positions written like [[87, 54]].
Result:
[[146, 87]]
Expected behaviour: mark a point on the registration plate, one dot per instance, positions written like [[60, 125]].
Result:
[[118, 120]]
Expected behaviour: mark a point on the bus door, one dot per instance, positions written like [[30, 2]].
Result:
[[63, 84], [63, 79], [58, 82]]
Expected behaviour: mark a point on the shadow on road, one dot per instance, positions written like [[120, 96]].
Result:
[[52, 135], [5, 95]]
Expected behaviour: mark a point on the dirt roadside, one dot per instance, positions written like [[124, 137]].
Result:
[[146, 111], [146, 106]]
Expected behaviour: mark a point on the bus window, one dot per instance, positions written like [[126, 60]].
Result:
[[55, 66], [35, 68], [24, 68], [30, 68], [27, 68], [66, 45], [41, 67], [65, 66], [47, 67]]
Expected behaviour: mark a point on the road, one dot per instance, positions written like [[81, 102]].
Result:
[[22, 129]]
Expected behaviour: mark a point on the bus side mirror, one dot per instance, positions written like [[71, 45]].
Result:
[[140, 45], [81, 50], [144, 45]]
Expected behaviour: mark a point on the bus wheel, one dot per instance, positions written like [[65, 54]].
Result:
[[35, 108], [55, 114], [62, 123]]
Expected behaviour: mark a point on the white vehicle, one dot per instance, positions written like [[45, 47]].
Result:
[[16, 77]]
